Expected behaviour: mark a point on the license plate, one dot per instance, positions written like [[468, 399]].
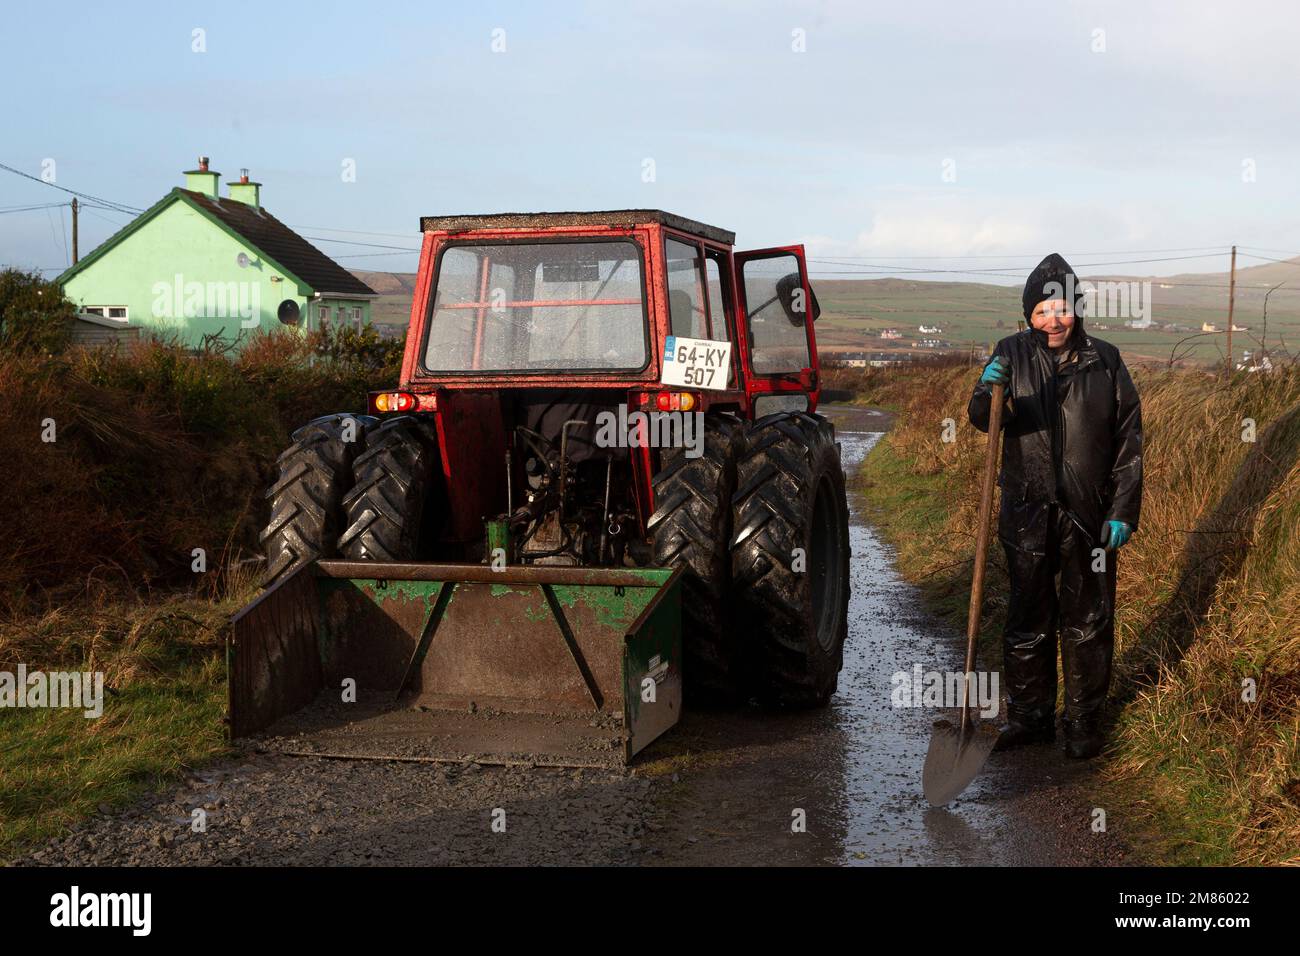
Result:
[[696, 363]]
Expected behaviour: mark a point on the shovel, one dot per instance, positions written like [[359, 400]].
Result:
[[956, 754]]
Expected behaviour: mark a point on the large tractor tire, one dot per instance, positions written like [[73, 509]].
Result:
[[790, 559], [392, 481], [306, 499], [691, 527]]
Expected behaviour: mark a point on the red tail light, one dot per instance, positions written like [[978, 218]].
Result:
[[386, 402], [675, 401]]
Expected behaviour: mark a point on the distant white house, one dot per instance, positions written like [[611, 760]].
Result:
[[929, 329], [891, 334], [1250, 363], [864, 359]]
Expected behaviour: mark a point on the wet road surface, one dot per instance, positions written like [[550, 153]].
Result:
[[724, 788], [855, 768]]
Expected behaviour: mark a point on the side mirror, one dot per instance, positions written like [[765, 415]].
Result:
[[789, 290]]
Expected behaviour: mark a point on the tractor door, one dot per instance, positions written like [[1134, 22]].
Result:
[[778, 308]]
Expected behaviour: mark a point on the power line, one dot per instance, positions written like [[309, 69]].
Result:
[[1285, 262], [1039, 255], [64, 226], [372, 255], [48, 205], [1285, 252], [80, 195], [353, 242], [53, 238], [87, 210], [91, 205], [877, 269], [360, 232], [999, 270]]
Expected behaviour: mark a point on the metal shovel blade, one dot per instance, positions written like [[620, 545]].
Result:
[[955, 758]]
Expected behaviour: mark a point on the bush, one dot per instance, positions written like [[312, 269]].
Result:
[[158, 450], [34, 314]]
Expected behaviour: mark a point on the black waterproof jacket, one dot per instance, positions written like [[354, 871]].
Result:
[[1072, 437]]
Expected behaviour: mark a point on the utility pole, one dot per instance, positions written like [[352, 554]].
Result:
[[74, 230], [1232, 295]]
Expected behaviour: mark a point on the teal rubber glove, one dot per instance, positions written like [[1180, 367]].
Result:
[[997, 372], [1116, 534]]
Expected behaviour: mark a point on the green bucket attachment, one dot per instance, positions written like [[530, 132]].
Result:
[[532, 665]]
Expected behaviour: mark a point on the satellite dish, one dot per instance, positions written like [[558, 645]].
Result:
[[288, 312], [242, 259]]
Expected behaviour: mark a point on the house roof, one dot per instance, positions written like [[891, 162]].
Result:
[[106, 322], [281, 246], [608, 217]]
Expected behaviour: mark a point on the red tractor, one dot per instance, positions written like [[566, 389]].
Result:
[[587, 393]]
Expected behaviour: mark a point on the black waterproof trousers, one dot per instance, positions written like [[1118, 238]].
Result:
[[1069, 590]]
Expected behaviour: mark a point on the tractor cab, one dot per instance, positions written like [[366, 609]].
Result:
[[592, 299]]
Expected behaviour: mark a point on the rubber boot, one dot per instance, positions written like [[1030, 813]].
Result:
[[1083, 739], [1019, 733]]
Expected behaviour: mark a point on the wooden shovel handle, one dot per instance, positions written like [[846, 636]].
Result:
[[982, 542]]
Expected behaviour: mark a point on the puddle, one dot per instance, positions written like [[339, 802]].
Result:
[[886, 818]]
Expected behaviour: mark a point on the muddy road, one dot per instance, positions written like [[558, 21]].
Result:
[[726, 788]]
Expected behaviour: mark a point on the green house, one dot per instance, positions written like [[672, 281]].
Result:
[[196, 265]]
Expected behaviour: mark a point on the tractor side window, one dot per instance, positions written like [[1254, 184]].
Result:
[[719, 299], [777, 316], [685, 290]]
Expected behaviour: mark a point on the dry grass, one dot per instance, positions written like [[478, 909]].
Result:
[[1209, 598]]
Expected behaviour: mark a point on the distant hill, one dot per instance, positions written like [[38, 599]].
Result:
[[396, 289], [856, 311]]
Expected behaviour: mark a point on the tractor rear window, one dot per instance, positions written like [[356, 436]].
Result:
[[538, 306]]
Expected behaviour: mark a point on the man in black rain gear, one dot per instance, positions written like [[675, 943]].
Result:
[[1071, 491]]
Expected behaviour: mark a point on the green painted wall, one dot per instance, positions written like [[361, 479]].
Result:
[[178, 275]]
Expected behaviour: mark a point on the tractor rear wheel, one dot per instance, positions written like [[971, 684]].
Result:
[[691, 526], [790, 559], [385, 510], [306, 499]]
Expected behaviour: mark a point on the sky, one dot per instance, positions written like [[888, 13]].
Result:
[[889, 138]]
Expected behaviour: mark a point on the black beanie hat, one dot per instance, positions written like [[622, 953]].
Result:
[[1051, 279]]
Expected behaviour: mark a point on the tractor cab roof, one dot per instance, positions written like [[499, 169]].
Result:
[[547, 220]]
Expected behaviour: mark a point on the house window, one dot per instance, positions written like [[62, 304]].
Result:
[[357, 312], [118, 312], [323, 316]]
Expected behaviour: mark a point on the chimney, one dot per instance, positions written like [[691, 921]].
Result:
[[246, 192], [202, 180]]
